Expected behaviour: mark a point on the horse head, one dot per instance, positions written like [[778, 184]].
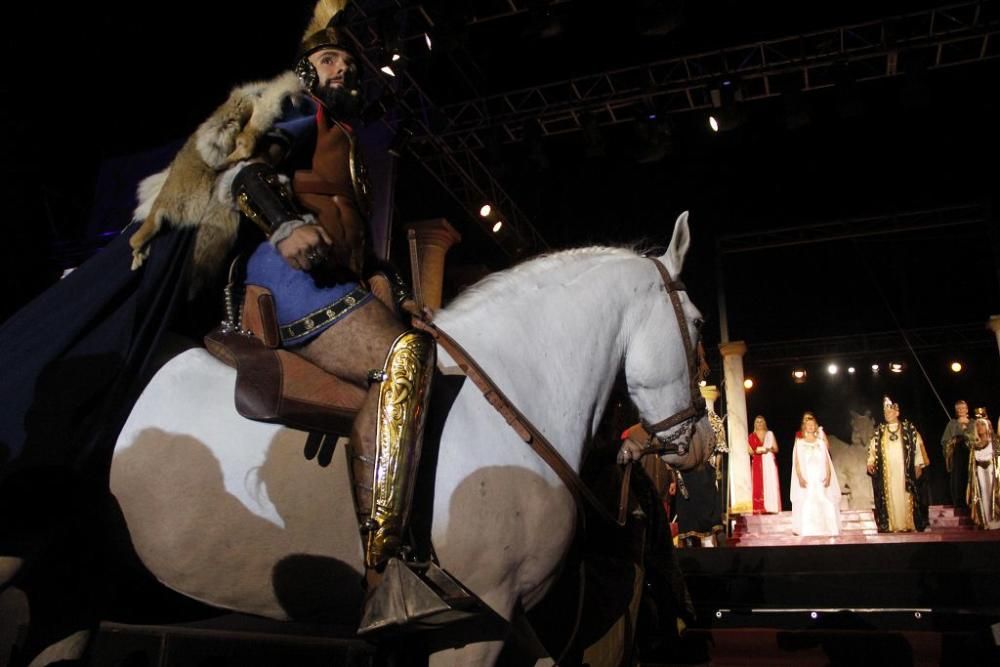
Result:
[[661, 358]]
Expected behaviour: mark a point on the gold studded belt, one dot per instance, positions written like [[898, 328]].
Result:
[[324, 316]]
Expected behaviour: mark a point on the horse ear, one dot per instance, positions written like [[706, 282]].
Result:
[[679, 244]]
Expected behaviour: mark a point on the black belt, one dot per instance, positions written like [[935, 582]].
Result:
[[325, 315]]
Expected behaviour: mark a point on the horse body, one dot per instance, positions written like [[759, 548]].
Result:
[[228, 511]]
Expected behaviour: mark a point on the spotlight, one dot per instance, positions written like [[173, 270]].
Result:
[[799, 375], [748, 384], [713, 123], [850, 370], [388, 70], [427, 39], [497, 226], [896, 367], [832, 369], [485, 211], [395, 57], [956, 367], [875, 369]]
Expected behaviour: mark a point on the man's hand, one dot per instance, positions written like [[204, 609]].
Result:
[[630, 451], [871, 468], [306, 247]]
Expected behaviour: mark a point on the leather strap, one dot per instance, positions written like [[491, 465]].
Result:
[[692, 411], [521, 425]]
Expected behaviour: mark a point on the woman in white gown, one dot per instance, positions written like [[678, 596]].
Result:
[[815, 491]]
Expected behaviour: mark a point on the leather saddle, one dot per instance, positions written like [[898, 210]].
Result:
[[274, 385]]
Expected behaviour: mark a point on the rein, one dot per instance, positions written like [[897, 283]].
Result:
[[693, 411], [539, 443]]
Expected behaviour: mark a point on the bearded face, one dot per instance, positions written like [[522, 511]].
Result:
[[336, 81]]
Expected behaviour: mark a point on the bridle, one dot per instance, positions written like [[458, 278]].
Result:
[[695, 360]]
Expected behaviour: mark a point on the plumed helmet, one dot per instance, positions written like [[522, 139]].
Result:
[[321, 33]]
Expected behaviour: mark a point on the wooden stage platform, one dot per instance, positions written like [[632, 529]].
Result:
[[861, 598]]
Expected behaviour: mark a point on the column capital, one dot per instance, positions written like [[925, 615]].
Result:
[[436, 231], [735, 347], [993, 324]]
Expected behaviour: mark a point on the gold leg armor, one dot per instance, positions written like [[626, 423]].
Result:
[[404, 392]]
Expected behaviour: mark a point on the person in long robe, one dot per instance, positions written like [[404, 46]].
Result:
[[955, 447], [896, 460], [815, 490], [983, 492], [764, 468]]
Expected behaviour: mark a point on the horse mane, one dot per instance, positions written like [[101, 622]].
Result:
[[536, 272]]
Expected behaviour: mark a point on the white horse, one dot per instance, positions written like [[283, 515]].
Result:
[[228, 511]]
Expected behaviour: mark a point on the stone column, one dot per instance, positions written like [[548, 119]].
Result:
[[993, 324], [740, 483], [434, 238]]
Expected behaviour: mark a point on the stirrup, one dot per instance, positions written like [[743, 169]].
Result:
[[418, 596]]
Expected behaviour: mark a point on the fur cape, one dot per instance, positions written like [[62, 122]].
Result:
[[193, 191]]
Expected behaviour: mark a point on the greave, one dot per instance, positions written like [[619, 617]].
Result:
[[404, 392]]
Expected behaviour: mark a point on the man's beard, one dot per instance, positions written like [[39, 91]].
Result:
[[339, 100]]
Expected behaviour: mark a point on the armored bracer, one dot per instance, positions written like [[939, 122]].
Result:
[[266, 201]]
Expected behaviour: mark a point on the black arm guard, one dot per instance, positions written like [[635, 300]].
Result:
[[401, 291], [262, 197]]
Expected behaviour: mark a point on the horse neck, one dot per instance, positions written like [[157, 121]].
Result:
[[554, 354]]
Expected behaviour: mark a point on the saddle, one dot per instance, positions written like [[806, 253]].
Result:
[[274, 385]]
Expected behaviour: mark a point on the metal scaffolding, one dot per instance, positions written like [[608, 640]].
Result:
[[932, 39], [461, 174], [866, 346], [445, 139]]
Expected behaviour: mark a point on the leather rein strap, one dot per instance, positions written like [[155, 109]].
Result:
[[521, 424], [674, 287], [533, 437]]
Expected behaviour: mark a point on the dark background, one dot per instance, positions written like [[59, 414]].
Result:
[[83, 85]]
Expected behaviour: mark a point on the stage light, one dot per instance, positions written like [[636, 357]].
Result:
[[832, 369], [896, 367], [956, 367], [799, 375], [850, 369], [497, 226], [395, 57], [748, 384], [813, 614], [388, 70], [427, 39], [875, 369], [713, 123], [485, 210]]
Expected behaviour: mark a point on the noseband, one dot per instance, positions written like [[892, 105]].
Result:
[[697, 407]]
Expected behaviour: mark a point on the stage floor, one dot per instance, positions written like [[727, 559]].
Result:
[[771, 597], [947, 524]]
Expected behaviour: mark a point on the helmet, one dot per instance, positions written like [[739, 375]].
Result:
[[328, 37]]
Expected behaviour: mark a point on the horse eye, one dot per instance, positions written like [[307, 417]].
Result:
[[699, 323]]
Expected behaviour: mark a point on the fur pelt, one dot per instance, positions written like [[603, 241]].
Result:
[[185, 193]]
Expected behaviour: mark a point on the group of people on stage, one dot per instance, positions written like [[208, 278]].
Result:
[[972, 458], [896, 461]]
